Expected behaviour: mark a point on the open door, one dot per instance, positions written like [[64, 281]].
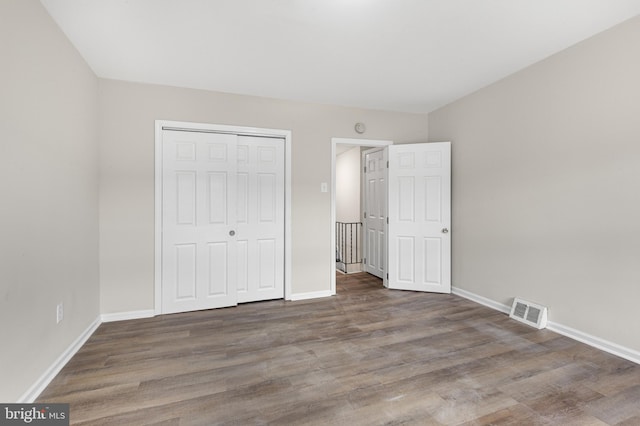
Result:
[[374, 189], [419, 212]]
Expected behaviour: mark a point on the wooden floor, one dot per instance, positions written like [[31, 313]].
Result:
[[366, 356]]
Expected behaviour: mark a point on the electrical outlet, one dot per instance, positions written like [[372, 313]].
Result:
[[59, 312]]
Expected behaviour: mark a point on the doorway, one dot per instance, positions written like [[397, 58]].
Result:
[[418, 214], [349, 226], [338, 145]]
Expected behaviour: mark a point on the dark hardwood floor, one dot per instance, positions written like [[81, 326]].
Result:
[[366, 356]]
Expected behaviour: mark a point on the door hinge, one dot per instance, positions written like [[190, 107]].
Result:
[[387, 220], [365, 261], [387, 164], [387, 275], [365, 215], [365, 169]]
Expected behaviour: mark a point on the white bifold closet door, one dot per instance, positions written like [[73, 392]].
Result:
[[222, 220]]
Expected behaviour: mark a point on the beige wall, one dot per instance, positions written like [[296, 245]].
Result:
[[348, 186], [546, 186], [49, 201], [127, 114]]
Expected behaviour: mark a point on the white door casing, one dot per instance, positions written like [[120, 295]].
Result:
[[419, 192], [256, 172], [375, 211]]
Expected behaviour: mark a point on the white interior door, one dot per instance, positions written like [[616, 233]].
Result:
[[419, 217], [222, 220], [260, 218], [375, 211], [198, 250]]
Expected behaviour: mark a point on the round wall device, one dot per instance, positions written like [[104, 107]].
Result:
[[360, 128]]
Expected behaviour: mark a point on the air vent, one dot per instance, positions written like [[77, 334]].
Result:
[[529, 313]]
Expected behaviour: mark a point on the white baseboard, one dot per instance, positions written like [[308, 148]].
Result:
[[481, 300], [596, 342], [36, 389], [123, 316], [311, 295]]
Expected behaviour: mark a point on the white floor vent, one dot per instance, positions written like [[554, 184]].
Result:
[[529, 313]]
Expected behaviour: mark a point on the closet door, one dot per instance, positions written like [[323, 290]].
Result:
[[260, 218], [199, 255], [222, 220]]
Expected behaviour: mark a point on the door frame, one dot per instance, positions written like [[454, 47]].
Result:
[[219, 128], [334, 142]]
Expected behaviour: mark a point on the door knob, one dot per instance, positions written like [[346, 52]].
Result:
[[232, 233], [445, 231]]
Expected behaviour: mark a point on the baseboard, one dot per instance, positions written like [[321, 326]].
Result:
[[123, 316], [311, 295], [596, 342], [481, 300], [36, 389]]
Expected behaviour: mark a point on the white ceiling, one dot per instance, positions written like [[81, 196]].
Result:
[[402, 55]]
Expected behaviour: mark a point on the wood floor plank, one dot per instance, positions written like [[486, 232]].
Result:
[[367, 356]]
